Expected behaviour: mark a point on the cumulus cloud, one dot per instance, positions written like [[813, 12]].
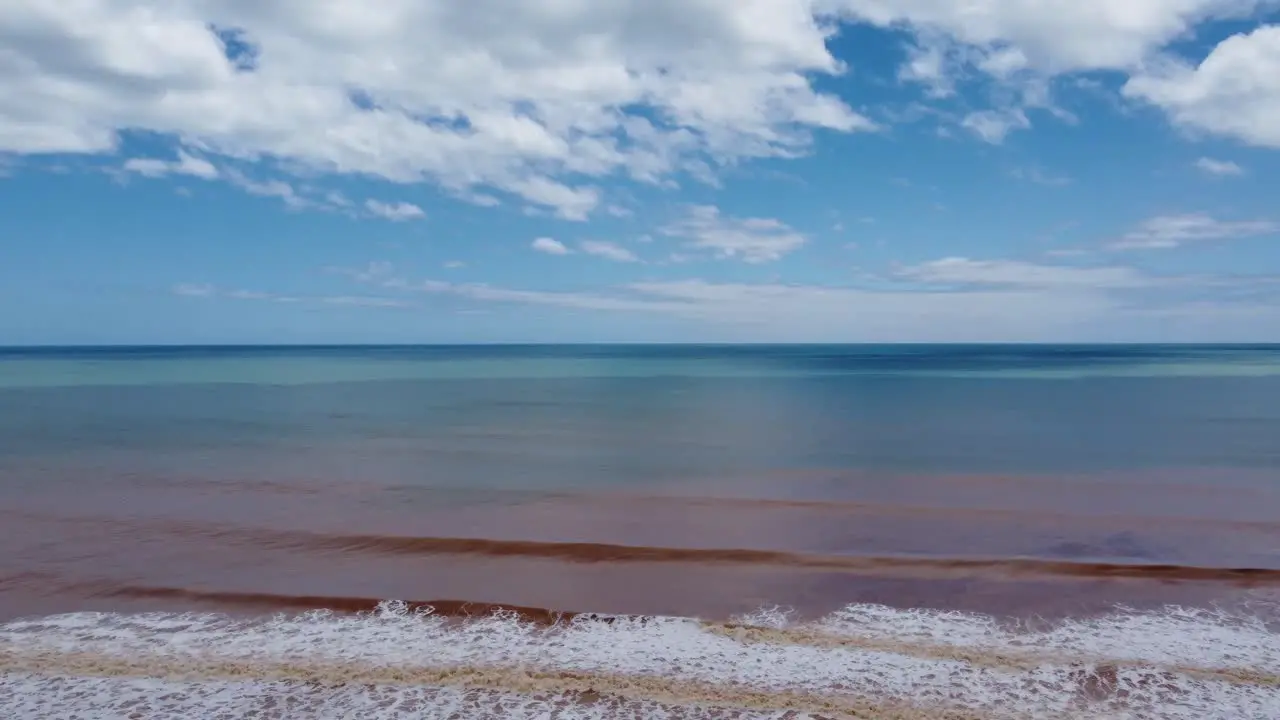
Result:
[[608, 251], [547, 104], [752, 240], [550, 246], [1219, 168], [1234, 92], [396, 212], [1050, 37], [538, 106], [1023, 44], [1170, 231], [933, 65]]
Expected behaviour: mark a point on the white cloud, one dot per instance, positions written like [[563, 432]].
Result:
[[608, 251], [1023, 44], [185, 165], [561, 95], [1219, 168], [781, 312], [570, 203], [375, 270], [337, 199], [550, 246], [772, 311], [576, 300], [249, 295], [753, 240], [429, 90], [1234, 92], [1040, 177], [1170, 231], [1050, 36], [207, 290], [994, 125], [1013, 273], [929, 63], [194, 289], [962, 300], [395, 212], [269, 188], [364, 301]]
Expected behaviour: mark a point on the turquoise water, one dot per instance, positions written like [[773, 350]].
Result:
[[63, 367], [574, 416]]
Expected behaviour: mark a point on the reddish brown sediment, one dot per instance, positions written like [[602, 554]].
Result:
[[342, 604], [877, 565], [814, 541], [906, 524], [599, 552], [849, 507]]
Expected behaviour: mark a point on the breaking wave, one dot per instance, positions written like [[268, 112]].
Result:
[[444, 660]]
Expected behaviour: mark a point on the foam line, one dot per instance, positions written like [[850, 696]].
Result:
[[678, 661]]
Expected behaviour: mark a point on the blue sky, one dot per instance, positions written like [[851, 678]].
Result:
[[227, 171]]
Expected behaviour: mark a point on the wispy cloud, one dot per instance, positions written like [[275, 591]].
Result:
[[568, 202], [186, 164], [258, 295], [1171, 231], [752, 240], [608, 251], [206, 290], [1218, 168], [946, 299], [550, 246], [193, 289], [1013, 273], [395, 212], [993, 126], [1040, 177], [374, 270], [364, 301], [269, 188]]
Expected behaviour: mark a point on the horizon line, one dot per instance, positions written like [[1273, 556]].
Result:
[[607, 343]]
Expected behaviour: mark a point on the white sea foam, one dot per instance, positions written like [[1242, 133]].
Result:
[[1200, 638], [866, 659]]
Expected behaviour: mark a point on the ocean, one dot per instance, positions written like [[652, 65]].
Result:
[[908, 531]]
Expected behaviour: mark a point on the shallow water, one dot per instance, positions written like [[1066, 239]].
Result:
[[1023, 531]]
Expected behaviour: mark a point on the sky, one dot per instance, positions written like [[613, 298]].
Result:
[[435, 171]]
